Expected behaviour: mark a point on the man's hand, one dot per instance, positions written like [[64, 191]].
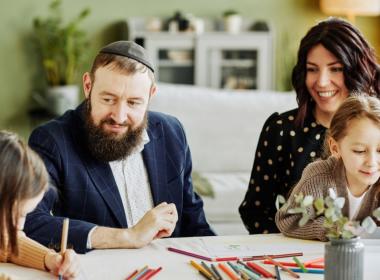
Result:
[[157, 223], [66, 265]]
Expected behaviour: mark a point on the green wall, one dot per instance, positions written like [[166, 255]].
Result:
[[290, 20]]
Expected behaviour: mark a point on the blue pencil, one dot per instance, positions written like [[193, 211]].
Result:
[[315, 271]]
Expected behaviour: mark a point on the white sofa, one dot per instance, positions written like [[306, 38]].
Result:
[[222, 128]]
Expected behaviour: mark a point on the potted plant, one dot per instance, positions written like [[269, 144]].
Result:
[[61, 46], [232, 21], [344, 253]]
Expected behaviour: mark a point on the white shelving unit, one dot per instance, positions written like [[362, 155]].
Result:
[[241, 60], [212, 59]]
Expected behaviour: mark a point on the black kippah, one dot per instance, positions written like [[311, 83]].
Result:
[[129, 49]]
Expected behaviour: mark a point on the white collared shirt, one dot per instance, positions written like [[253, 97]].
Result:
[[132, 180]]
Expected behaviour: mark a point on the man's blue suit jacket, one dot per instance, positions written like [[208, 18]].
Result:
[[86, 191]]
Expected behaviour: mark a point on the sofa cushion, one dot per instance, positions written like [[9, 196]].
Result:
[[201, 185], [222, 126], [229, 190]]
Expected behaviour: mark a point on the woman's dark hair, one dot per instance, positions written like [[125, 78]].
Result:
[[347, 44], [22, 176]]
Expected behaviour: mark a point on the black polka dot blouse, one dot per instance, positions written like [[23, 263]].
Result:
[[283, 151]]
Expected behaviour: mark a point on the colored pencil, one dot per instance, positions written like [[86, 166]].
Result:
[[205, 275], [143, 274], [151, 273], [205, 266], [279, 256], [213, 267], [278, 276], [244, 276], [140, 273], [292, 264], [295, 275], [318, 260], [200, 268], [229, 273], [300, 265], [260, 270], [315, 271], [234, 268], [132, 274], [65, 232], [190, 254], [248, 268], [225, 259], [251, 275]]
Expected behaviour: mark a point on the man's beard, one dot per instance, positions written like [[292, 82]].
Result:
[[106, 146]]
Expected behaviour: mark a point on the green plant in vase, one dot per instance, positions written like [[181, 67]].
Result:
[[62, 46], [232, 21], [336, 224]]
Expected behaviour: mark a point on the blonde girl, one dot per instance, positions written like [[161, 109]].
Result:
[[352, 170]]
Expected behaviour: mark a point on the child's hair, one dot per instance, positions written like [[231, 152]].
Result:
[[22, 176], [357, 106]]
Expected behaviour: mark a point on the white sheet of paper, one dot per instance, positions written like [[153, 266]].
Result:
[[244, 248]]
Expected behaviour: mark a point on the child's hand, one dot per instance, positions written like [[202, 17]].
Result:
[[66, 265]]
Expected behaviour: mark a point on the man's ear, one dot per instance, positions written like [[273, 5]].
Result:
[[334, 147], [153, 90], [87, 84]]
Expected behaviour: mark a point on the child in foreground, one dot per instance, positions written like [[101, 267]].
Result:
[[352, 169], [23, 182]]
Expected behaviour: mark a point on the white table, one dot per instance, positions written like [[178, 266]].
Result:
[[117, 264]]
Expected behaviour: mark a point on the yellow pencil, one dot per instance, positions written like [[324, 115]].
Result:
[[65, 233], [200, 268]]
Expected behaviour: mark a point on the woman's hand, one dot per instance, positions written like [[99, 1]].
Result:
[[66, 265]]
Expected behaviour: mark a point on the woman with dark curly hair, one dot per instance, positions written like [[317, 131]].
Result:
[[334, 61], [23, 182]]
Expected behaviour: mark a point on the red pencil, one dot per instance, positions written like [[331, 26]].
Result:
[[151, 273], [260, 270], [226, 259], [312, 265], [189, 254]]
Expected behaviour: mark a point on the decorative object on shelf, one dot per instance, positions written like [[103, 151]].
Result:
[[344, 253], [62, 47], [232, 21], [197, 25], [178, 23], [260, 25], [154, 24], [350, 8]]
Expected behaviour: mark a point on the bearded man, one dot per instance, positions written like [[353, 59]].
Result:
[[122, 174]]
